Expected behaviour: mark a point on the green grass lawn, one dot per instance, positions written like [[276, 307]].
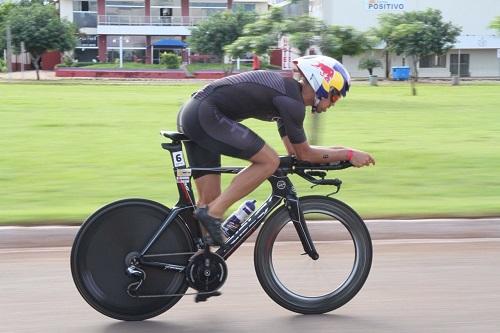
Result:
[[67, 149]]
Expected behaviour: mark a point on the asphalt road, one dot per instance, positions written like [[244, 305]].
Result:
[[57, 236], [415, 286]]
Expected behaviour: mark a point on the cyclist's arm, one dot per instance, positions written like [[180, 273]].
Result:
[[288, 146], [317, 154]]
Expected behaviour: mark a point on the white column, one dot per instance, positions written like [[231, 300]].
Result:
[[121, 51]]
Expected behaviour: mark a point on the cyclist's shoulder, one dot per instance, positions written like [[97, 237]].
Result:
[[265, 77]]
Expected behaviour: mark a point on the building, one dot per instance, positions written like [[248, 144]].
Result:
[[143, 28], [478, 48]]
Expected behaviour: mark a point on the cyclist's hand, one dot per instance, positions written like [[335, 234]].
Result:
[[360, 159]]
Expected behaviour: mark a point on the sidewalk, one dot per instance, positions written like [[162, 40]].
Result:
[[63, 236], [29, 75], [50, 77]]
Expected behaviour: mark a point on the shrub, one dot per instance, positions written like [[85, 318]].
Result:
[[369, 63], [76, 64], [3, 65], [68, 60], [171, 60]]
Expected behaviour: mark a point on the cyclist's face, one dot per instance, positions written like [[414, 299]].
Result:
[[325, 103]]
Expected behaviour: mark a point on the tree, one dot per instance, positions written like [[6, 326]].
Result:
[[417, 34], [41, 29], [496, 24], [5, 9], [303, 31], [337, 41], [302, 41], [219, 30], [334, 41], [260, 35]]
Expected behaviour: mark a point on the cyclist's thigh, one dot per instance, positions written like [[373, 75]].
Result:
[[212, 130]]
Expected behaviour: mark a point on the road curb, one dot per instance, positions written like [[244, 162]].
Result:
[[63, 236]]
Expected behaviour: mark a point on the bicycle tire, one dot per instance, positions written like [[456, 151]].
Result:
[[270, 282], [98, 258]]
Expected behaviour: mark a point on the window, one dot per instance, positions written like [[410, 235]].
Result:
[[244, 7], [125, 3], [86, 55], [206, 4], [127, 14], [165, 11], [128, 42], [136, 55], [127, 9], [85, 6], [158, 11], [85, 19], [202, 12], [166, 3], [433, 61], [204, 8]]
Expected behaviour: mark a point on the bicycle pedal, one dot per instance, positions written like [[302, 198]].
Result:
[[203, 297]]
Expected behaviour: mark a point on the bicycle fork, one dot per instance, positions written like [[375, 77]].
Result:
[[297, 216], [283, 187]]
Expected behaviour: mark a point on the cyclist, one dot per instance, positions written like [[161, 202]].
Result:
[[211, 119]]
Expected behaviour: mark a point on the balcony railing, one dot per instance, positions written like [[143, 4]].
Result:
[[150, 20]]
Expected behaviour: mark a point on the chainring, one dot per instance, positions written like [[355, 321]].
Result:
[[206, 271]]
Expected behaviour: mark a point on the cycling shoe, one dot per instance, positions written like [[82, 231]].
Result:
[[212, 224]]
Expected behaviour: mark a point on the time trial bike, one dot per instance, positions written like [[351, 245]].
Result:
[[134, 259]]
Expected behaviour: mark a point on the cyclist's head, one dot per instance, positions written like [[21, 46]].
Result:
[[327, 77]]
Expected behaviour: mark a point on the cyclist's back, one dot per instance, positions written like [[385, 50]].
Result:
[[261, 95]]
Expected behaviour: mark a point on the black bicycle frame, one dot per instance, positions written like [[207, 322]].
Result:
[[282, 190]]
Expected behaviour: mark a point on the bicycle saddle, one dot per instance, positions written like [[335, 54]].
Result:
[[174, 136]]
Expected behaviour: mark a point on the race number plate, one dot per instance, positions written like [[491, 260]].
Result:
[[178, 159]]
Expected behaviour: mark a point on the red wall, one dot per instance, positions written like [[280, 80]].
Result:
[[276, 57], [145, 74], [50, 60]]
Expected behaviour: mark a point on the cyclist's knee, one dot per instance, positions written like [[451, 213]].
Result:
[[274, 163], [267, 158]]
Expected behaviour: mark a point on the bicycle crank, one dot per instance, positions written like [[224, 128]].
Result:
[[206, 272]]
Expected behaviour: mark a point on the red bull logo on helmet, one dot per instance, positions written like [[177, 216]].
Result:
[[326, 71]]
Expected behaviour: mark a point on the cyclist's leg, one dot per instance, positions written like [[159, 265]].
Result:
[[264, 163], [208, 188], [208, 185], [213, 134]]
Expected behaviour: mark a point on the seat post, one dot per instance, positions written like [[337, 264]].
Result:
[[181, 172]]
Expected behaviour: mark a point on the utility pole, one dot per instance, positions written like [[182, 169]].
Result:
[[23, 58], [9, 53]]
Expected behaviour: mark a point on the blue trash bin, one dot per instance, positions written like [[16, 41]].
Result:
[[401, 73]]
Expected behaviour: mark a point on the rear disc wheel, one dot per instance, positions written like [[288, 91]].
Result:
[[106, 244]]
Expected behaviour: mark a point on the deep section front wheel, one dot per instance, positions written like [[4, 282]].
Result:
[[297, 282], [102, 250]]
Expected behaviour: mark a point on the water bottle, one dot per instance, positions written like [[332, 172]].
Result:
[[233, 222]]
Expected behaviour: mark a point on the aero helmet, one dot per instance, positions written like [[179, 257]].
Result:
[[324, 74]]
